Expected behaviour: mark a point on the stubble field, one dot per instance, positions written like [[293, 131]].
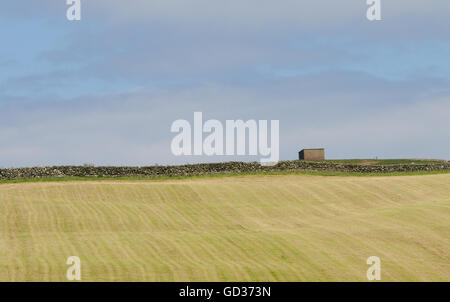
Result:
[[249, 228]]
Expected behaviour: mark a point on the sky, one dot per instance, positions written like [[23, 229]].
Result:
[[105, 90]]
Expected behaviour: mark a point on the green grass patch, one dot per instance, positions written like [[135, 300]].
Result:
[[382, 162]]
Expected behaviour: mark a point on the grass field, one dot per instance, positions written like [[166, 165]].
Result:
[[250, 228], [385, 162]]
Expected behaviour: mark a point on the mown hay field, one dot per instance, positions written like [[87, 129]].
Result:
[[250, 228]]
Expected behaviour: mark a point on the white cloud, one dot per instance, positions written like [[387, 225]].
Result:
[[253, 13], [266, 13], [133, 128]]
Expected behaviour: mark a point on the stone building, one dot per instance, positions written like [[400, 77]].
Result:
[[312, 154]]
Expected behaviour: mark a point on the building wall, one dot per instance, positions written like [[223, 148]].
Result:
[[312, 154]]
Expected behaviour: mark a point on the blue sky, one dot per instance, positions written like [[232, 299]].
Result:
[[106, 89]]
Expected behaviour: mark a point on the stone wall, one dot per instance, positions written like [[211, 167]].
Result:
[[205, 169]]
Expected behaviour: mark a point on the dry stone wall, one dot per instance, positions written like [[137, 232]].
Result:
[[207, 169]]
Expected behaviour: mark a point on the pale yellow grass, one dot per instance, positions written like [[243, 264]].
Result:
[[253, 228]]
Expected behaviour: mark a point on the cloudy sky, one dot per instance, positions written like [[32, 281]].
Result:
[[105, 90]]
